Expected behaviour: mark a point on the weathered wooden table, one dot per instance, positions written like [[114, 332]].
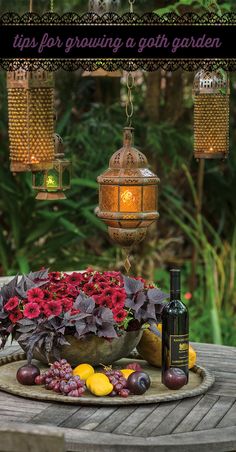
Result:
[[203, 423]]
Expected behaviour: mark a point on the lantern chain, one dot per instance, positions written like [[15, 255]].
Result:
[[129, 103], [131, 6], [30, 6], [51, 6]]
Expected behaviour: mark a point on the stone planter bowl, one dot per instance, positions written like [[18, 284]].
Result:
[[95, 350]]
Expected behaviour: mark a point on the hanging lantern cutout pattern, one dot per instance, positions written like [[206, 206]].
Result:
[[52, 183], [211, 115], [31, 119], [101, 7], [128, 194]]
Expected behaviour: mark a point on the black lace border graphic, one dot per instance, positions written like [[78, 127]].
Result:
[[72, 18]]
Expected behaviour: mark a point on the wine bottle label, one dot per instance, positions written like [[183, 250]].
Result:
[[179, 349]]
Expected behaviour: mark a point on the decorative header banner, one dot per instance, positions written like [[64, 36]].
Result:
[[118, 42]]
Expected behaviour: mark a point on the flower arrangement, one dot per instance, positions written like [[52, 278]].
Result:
[[40, 309]]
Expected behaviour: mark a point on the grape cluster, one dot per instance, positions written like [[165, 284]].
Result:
[[134, 366], [59, 378], [119, 383]]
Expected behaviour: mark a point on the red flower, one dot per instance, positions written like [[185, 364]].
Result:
[[118, 298], [188, 296], [31, 310], [66, 303], [47, 295], [103, 285], [35, 295], [108, 292], [105, 301], [71, 290], [74, 278], [119, 316], [53, 308], [89, 289], [15, 316], [11, 304], [55, 276]]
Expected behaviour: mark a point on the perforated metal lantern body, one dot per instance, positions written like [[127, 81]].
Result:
[[52, 183], [103, 6], [211, 115], [31, 119], [128, 194]]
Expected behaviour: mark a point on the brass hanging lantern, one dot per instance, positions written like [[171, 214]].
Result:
[[211, 115], [128, 194], [31, 119], [101, 7], [52, 183]]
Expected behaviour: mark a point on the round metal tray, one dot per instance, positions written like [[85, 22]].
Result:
[[200, 380]]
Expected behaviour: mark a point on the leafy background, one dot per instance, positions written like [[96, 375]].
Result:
[[196, 233]]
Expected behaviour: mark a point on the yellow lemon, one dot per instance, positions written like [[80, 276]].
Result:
[[99, 384], [127, 372], [83, 371]]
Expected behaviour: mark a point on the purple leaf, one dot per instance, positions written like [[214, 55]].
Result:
[[106, 315], [153, 328], [131, 285], [84, 303], [8, 290], [137, 301], [39, 275], [156, 295], [80, 327], [107, 330]]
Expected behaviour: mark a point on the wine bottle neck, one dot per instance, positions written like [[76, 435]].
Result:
[[175, 295]]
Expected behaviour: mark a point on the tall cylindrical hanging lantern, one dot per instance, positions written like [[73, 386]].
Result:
[[31, 119], [128, 194], [52, 183], [211, 115]]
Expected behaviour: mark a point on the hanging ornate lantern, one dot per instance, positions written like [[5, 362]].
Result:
[[101, 7], [128, 194], [52, 183], [211, 115], [31, 119]]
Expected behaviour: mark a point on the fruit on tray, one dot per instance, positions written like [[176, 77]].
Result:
[[138, 382], [26, 374], [59, 378], [150, 348], [174, 378], [99, 384], [83, 371], [134, 366], [127, 372], [118, 382]]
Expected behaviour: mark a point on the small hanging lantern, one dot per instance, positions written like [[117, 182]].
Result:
[[101, 7], [31, 119], [128, 194], [211, 115], [52, 183]]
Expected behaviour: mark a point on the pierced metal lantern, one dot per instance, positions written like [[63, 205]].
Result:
[[211, 115], [52, 183], [31, 119], [128, 194]]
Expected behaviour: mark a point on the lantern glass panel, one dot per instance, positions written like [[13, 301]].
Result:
[[109, 198], [130, 199], [149, 198], [52, 180], [39, 178], [66, 177]]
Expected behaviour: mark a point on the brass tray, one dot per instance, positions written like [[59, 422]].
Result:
[[200, 380]]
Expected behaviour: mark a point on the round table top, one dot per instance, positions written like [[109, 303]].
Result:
[[202, 423]]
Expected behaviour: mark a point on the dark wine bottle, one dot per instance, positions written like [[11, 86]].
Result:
[[175, 329]]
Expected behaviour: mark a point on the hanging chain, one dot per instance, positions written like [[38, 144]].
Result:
[[30, 6], [51, 6], [129, 103], [131, 6]]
